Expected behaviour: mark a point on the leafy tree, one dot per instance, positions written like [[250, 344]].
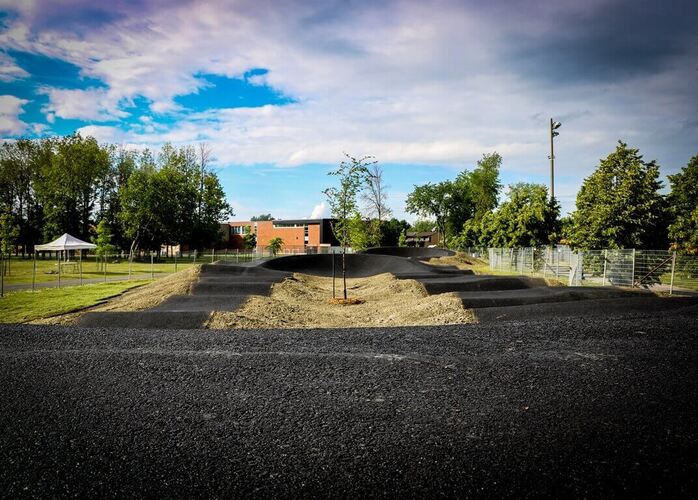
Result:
[[619, 205], [250, 238], [262, 217], [352, 174], [360, 232], [275, 245], [67, 184], [423, 226], [485, 185], [402, 240], [431, 200], [683, 207], [9, 231], [391, 231], [526, 219], [103, 240]]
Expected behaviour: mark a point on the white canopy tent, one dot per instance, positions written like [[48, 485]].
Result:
[[62, 244]]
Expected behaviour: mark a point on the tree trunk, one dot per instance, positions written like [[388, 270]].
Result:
[[344, 270]]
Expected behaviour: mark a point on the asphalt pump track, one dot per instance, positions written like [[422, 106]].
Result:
[[225, 287]]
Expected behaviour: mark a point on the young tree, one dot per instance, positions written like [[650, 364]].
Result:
[[352, 174], [103, 240], [402, 240], [683, 207], [619, 205], [360, 233], [275, 245]]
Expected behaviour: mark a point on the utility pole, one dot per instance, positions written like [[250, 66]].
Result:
[[553, 133]]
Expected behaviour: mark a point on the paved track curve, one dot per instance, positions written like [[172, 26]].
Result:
[[558, 408]]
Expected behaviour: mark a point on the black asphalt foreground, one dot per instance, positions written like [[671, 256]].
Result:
[[558, 408]]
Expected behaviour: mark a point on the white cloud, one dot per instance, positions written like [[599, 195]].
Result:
[[10, 109], [93, 104], [319, 211], [9, 71]]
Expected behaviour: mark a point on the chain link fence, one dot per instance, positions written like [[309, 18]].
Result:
[[660, 270]]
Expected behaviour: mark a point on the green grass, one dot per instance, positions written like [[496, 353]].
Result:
[[46, 270], [18, 307]]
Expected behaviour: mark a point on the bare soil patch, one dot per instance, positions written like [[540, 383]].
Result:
[[138, 299], [302, 302], [461, 261]]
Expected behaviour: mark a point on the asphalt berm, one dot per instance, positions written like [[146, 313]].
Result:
[[547, 409], [226, 288]]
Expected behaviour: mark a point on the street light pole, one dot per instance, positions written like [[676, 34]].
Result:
[[553, 133]]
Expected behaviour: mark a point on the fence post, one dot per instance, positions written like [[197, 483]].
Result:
[[130, 259], [605, 260], [152, 270], [673, 267], [175, 256], [213, 255], [105, 267], [34, 271], [632, 277], [2, 274]]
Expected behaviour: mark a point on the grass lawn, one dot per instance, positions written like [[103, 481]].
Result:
[[47, 270], [17, 307]]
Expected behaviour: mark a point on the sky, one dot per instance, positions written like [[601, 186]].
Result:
[[280, 89]]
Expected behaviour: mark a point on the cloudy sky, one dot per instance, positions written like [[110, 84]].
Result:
[[281, 88]]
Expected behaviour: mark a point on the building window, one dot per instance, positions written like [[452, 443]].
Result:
[[241, 230]]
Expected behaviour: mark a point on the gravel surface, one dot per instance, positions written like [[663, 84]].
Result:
[[557, 408]]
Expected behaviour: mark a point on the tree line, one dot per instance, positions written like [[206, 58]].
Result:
[[141, 199], [620, 205]]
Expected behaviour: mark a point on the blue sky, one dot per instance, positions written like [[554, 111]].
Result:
[[279, 89]]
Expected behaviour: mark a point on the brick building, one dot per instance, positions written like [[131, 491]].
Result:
[[297, 234]]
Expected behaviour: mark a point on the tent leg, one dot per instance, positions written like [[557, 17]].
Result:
[[34, 272], [59, 268], [80, 266]]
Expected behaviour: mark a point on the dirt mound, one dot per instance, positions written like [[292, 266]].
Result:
[[301, 302], [413, 252]]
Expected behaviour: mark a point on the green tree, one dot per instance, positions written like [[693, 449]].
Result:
[[391, 231], [402, 240], [275, 245], [360, 233], [67, 184], [9, 231], [352, 174], [375, 198], [103, 240], [526, 219], [423, 226], [683, 208], [619, 205], [485, 185], [250, 238], [262, 217], [431, 200]]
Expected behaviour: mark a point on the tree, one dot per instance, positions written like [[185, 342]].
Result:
[[485, 185], [683, 207], [423, 226], [391, 231], [262, 217], [619, 205], [352, 174], [402, 240], [360, 233], [250, 239], [275, 245], [432, 200], [9, 231], [526, 219], [375, 199], [103, 240]]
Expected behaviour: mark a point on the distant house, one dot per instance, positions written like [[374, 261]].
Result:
[[422, 239], [297, 234]]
